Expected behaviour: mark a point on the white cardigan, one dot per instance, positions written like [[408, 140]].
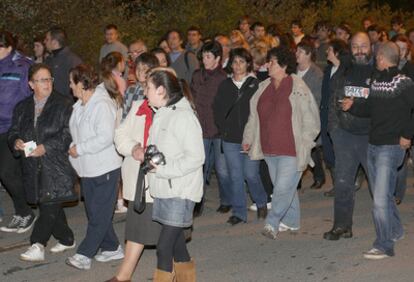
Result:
[[127, 135], [177, 133], [92, 127]]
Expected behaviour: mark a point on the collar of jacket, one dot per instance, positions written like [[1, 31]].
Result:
[[182, 104], [99, 93], [246, 81], [57, 51]]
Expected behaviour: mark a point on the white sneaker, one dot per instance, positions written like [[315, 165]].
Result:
[[269, 232], [79, 261], [35, 252], [106, 256], [283, 227], [253, 207], [58, 248], [375, 254]]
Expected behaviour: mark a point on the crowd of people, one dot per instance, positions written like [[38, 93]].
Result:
[[143, 134]]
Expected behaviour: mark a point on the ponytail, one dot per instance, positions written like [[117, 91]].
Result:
[[108, 64], [185, 89]]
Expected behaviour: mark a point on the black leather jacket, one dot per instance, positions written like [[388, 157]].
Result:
[[48, 178]]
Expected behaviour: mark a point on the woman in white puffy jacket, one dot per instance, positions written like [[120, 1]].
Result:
[[140, 230], [178, 184]]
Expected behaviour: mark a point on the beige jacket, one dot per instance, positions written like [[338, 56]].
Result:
[[129, 133], [305, 123]]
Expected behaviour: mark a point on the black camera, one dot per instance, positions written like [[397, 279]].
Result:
[[152, 155]]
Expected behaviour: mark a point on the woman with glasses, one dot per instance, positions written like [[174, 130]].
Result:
[[47, 174]]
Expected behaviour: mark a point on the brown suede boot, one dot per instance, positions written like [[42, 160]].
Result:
[[185, 271], [163, 276]]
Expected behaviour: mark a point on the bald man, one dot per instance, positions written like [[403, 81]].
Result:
[[389, 107], [349, 133]]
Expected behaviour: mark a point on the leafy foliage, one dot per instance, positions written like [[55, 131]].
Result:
[[150, 19]]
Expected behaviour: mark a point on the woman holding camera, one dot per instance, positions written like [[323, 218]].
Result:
[[131, 140], [178, 184]]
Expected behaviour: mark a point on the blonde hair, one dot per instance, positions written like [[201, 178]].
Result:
[[237, 40]]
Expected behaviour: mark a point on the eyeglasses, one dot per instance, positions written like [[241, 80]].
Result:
[[44, 80]]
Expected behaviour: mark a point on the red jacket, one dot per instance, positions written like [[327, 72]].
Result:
[[204, 87]]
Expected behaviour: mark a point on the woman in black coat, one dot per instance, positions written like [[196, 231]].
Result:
[[47, 174], [231, 110]]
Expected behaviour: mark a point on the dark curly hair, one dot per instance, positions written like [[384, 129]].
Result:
[[86, 75], [242, 53], [285, 58]]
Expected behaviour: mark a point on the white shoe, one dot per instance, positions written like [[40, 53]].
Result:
[[35, 252], [253, 207], [375, 254], [58, 248], [269, 232], [106, 256], [79, 261], [283, 227]]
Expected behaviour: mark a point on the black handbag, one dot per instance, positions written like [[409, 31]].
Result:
[[45, 188], [140, 201]]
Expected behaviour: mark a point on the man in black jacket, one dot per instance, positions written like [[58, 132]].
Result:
[[61, 59], [389, 106], [349, 133]]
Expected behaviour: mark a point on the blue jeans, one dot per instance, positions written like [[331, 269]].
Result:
[[285, 201], [383, 163], [401, 185], [350, 152], [213, 147], [100, 196], [241, 168]]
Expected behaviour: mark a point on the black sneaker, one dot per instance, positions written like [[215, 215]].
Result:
[[13, 225], [26, 223]]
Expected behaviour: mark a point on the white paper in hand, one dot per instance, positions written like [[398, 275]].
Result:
[[29, 147]]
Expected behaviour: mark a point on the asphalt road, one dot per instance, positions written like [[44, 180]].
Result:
[[240, 253]]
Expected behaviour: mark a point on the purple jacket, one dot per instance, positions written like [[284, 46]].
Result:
[[204, 87], [14, 86]]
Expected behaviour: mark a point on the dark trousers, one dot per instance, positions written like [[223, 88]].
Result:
[[51, 221], [266, 180], [171, 245], [100, 195], [318, 171], [350, 152], [11, 177]]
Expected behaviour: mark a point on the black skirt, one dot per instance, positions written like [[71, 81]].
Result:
[[140, 228]]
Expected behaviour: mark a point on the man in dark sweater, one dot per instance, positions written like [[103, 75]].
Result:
[[349, 133], [389, 106], [61, 59]]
